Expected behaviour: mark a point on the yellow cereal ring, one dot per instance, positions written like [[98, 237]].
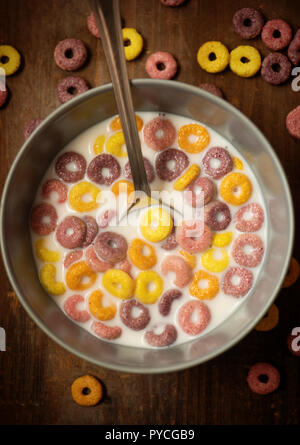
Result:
[[189, 257], [213, 57], [293, 273], [245, 61], [115, 143], [118, 283], [197, 130], [78, 191], [204, 293], [76, 273], [189, 176], [156, 224], [116, 125], [239, 183], [222, 239], [97, 310], [12, 57], [135, 40], [270, 320], [44, 254], [142, 291], [47, 277], [90, 397], [98, 144], [137, 256], [123, 186], [211, 263], [238, 163]]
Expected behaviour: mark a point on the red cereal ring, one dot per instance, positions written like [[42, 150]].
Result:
[[31, 126], [71, 232], [181, 268], [3, 94], [70, 307], [180, 159], [104, 218], [240, 288], [95, 263], [251, 259], [248, 23], [161, 65], [276, 68], [159, 133], [148, 167], [43, 219], [217, 215], [104, 331], [91, 230], [55, 185], [249, 218], [276, 34], [263, 378], [62, 163], [170, 243], [166, 300], [293, 341], [217, 162], [70, 87], [194, 236], [70, 54], [72, 257], [293, 122], [172, 2], [166, 338], [101, 162], [294, 49], [111, 246], [124, 265], [200, 192], [211, 88], [92, 25], [131, 321], [185, 316]]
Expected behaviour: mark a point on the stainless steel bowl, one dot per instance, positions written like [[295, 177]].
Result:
[[76, 116]]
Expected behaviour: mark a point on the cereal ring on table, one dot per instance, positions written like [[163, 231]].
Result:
[[193, 236], [222, 239], [116, 124], [44, 254], [292, 122], [165, 303], [190, 259], [78, 191], [71, 232], [200, 192], [263, 378], [217, 215], [138, 257], [185, 316], [98, 310], [159, 133], [181, 268], [134, 322], [148, 167], [249, 218], [166, 338], [70, 54], [95, 263], [276, 68], [91, 230], [124, 265], [189, 176], [143, 281], [87, 391], [199, 132], [10, 59], [294, 49], [179, 159], [72, 257], [270, 320], [75, 276], [55, 186], [70, 307], [31, 126], [242, 283], [104, 162], [213, 57], [292, 274], [245, 61], [204, 293], [212, 262], [133, 43], [248, 23], [236, 188], [211, 88], [104, 218], [70, 87], [43, 219], [99, 144], [156, 224], [116, 145], [111, 246], [172, 2], [106, 332], [238, 164], [48, 280], [293, 342], [3, 94], [75, 159], [217, 162], [170, 242], [118, 283], [93, 26], [161, 65], [242, 258], [276, 34]]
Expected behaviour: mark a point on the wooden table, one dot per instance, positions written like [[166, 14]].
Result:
[[35, 373]]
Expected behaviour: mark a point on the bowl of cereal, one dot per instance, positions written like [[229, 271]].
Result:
[[151, 293]]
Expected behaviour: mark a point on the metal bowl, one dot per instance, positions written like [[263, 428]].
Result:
[[81, 113]]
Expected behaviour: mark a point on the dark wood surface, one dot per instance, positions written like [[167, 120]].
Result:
[[35, 373]]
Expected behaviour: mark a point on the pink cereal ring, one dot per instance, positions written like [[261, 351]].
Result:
[[91, 230], [72, 257], [263, 378], [165, 303], [161, 65], [56, 186], [92, 25], [111, 246], [249, 218], [251, 259], [152, 135], [200, 192], [43, 219], [104, 331], [95, 263], [131, 321], [70, 307], [276, 34], [124, 265], [170, 243], [183, 272], [31, 126], [185, 317], [66, 174], [3, 94], [166, 338], [71, 232], [194, 236], [105, 217], [70, 54], [217, 162], [243, 285]]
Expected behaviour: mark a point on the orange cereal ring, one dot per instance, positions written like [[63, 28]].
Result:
[[87, 391], [270, 320], [236, 188], [293, 273], [76, 273], [189, 257], [138, 256], [204, 293], [181, 268], [123, 186], [116, 125], [78, 191], [97, 310], [186, 131]]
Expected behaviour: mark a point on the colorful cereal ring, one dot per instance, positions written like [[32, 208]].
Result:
[[187, 131], [70, 307], [136, 323], [156, 224], [133, 42], [213, 57], [44, 254], [270, 320], [48, 280], [78, 191], [271, 377], [181, 268], [194, 236], [189, 176], [118, 283], [115, 145], [106, 332], [10, 59], [116, 124], [87, 391], [185, 316], [75, 276], [98, 310], [143, 281], [138, 257], [166, 338], [293, 273], [233, 182], [245, 61], [204, 293], [213, 264], [165, 303]]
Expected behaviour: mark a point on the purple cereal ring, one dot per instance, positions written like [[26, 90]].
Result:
[[31, 126], [166, 338], [294, 49], [111, 246], [263, 378], [62, 170], [70, 87], [132, 322], [239, 289], [3, 94], [43, 219], [293, 341], [70, 307], [148, 167], [105, 217], [217, 215], [159, 133], [194, 236], [165, 303], [222, 160], [276, 68], [71, 232], [276, 34], [180, 159], [55, 185], [170, 243], [101, 162], [211, 88], [172, 2], [248, 23], [70, 54], [200, 192], [185, 315], [72, 257], [95, 263], [249, 218], [93, 26], [248, 259], [104, 331], [181, 268], [161, 65], [91, 230], [293, 122]]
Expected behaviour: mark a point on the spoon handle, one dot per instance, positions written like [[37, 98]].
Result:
[[107, 13]]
